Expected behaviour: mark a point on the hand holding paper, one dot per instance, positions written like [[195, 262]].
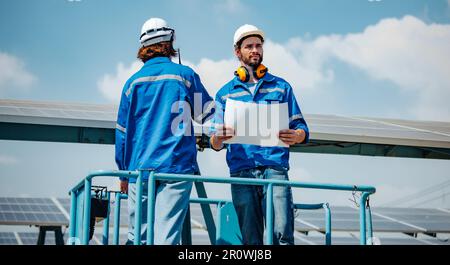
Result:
[[255, 123], [222, 134]]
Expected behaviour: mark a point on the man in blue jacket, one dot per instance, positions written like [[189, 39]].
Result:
[[154, 130], [253, 83]]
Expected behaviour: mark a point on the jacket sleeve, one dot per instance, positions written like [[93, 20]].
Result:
[[218, 119], [296, 119], [202, 105], [121, 130]]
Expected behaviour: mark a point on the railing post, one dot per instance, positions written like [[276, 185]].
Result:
[[269, 214], [219, 224], [138, 210], [207, 213], [327, 224], [73, 217], [116, 219], [186, 234], [369, 224], [151, 208], [362, 218], [87, 211], [106, 222]]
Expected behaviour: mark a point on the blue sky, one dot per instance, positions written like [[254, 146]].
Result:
[[386, 58]]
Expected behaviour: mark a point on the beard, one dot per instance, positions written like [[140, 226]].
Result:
[[252, 63]]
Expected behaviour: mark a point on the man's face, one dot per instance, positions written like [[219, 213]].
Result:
[[251, 51]]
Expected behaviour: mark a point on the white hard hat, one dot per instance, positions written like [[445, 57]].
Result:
[[246, 30], [156, 30]]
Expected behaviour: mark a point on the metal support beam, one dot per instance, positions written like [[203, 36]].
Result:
[[59, 240]]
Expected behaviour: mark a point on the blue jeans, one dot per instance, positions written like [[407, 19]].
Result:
[[250, 204], [171, 205]]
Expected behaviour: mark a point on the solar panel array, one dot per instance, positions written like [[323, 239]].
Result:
[[54, 212], [31, 211], [380, 131], [380, 239], [55, 113], [322, 127], [31, 238], [406, 220]]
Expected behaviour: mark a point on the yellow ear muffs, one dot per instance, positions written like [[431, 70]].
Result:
[[260, 71], [242, 73], [244, 76]]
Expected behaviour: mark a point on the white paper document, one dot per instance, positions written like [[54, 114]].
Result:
[[256, 123]]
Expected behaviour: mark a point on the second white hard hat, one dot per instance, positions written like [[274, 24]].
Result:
[[246, 30], [155, 30]]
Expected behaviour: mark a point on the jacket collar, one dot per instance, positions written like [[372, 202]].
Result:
[[266, 78], [157, 60]]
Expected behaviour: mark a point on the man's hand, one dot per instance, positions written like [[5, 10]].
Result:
[[291, 137], [222, 134], [124, 186]]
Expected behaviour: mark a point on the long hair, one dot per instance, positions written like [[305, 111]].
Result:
[[161, 49]]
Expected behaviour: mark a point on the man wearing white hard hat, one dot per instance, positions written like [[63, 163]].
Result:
[[253, 83], [154, 130]]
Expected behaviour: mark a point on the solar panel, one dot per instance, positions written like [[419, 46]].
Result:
[[347, 219], [319, 239], [430, 220], [8, 238], [434, 126], [65, 203], [439, 240], [54, 113], [349, 129], [31, 211], [343, 238], [322, 127], [31, 238]]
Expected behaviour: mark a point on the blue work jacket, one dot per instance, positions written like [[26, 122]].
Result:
[[154, 127], [269, 89]]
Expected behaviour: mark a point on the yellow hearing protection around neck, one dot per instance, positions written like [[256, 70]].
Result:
[[244, 75]]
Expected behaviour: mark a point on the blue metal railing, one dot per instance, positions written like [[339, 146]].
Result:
[[84, 188], [119, 197], [326, 207]]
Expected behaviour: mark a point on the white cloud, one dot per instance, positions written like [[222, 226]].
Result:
[[111, 85], [6, 160], [299, 62], [214, 74], [413, 55], [13, 74], [407, 52]]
